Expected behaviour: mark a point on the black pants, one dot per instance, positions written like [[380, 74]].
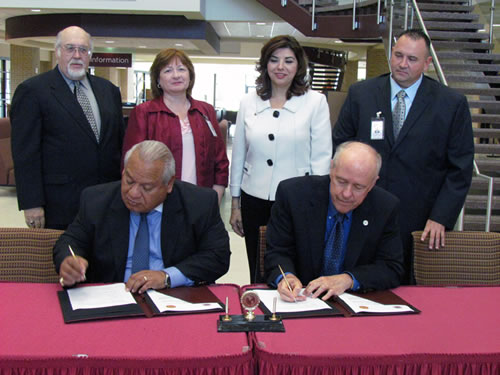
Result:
[[255, 212]]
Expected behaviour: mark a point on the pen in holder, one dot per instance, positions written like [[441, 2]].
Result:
[[226, 317], [274, 317]]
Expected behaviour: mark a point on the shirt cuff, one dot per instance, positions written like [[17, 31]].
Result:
[[355, 285], [278, 279], [177, 278]]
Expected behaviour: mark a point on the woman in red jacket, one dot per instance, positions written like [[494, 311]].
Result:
[[187, 126]]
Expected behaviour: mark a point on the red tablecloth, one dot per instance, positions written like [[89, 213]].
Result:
[[457, 332], [33, 337]]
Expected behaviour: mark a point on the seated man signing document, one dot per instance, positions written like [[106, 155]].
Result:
[[148, 230], [337, 232]]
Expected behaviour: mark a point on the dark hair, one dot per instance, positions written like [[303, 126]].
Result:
[[416, 34], [162, 59], [300, 83]]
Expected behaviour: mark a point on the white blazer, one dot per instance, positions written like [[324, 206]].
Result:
[[271, 145]]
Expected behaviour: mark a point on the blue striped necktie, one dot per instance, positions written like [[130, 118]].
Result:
[[333, 248], [140, 256]]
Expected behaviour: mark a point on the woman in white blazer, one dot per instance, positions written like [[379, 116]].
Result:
[[282, 130]]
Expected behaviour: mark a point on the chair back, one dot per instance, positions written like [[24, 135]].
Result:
[[468, 258], [26, 255]]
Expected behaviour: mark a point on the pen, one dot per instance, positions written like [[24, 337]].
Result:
[[287, 283], [74, 257], [72, 252]]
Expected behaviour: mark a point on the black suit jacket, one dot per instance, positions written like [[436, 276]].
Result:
[[54, 149], [296, 234], [193, 237], [429, 166]]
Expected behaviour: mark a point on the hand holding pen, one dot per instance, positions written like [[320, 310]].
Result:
[[289, 287], [72, 269]]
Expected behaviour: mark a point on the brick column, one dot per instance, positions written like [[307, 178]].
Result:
[[350, 75], [24, 64], [376, 62]]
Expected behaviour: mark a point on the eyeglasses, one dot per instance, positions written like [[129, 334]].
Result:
[[71, 49]]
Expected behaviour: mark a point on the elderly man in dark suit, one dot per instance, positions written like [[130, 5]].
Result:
[[149, 231], [423, 131], [67, 130], [335, 233]]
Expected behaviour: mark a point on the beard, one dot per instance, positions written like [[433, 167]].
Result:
[[76, 74]]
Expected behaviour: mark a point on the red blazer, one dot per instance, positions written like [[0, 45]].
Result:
[[153, 120]]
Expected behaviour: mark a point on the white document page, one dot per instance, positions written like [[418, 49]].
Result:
[[358, 304], [92, 297], [310, 304], [168, 303]]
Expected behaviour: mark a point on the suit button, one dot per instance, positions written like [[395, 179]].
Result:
[[271, 137], [269, 162]]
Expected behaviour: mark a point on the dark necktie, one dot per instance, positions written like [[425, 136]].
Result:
[[398, 113], [87, 109], [140, 257], [333, 248]]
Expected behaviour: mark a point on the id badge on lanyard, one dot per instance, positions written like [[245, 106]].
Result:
[[377, 128], [210, 126]]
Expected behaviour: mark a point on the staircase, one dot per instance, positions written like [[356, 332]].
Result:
[[463, 52]]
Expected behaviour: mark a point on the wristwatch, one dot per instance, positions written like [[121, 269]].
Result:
[[167, 280]]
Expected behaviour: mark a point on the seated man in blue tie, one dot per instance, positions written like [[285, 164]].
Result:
[[337, 232], [147, 230]]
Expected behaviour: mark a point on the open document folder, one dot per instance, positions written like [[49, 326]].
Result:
[[113, 301], [308, 308], [347, 304]]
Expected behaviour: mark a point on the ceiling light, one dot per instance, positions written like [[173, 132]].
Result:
[[36, 10], [179, 44], [260, 36], [261, 23], [142, 46], [109, 41]]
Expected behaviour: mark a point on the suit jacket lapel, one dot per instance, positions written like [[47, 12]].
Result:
[[362, 218], [63, 94], [420, 103], [119, 219], [171, 221], [383, 100], [317, 209]]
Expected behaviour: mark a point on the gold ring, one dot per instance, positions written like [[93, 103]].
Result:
[[61, 281], [145, 278]]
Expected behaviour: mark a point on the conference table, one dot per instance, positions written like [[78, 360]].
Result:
[[35, 340], [457, 332]]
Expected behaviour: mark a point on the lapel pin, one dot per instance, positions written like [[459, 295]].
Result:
[[365, 223]]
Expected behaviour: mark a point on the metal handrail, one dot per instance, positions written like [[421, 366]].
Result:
[[314, 25], [490, 196], [492, 13], [435, 59]]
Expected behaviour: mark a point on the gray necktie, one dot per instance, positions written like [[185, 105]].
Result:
[[87, 109], [398, 113]]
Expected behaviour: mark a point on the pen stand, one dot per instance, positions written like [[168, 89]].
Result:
[[261, 323], [249, 322]]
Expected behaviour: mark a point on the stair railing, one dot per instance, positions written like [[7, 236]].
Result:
[[439, 71], [492, 14]]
